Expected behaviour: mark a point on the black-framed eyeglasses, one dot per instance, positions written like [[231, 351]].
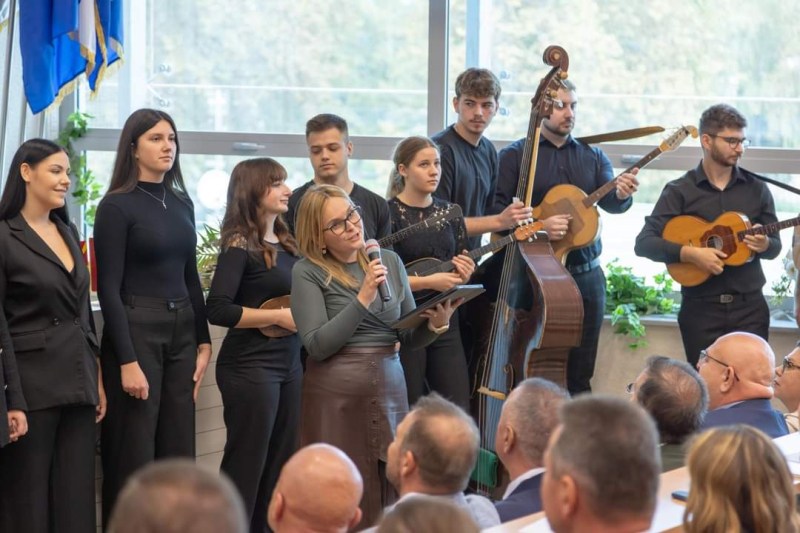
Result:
[[630, 387], [789, 365], [733, 142], [338, 227], [704, 355]]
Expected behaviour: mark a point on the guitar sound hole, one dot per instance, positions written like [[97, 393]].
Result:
[[714, 241]]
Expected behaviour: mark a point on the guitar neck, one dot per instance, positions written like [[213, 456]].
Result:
[[600, 193], [477, 253], [768, 229], [403, 234]]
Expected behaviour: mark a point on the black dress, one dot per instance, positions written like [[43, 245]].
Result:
[[442, 365], [259, 377]]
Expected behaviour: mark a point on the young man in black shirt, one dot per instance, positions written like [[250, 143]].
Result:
[[564, 160], [329, 150], [469, 161], [731, 299]]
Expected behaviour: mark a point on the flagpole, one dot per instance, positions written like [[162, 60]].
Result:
[[12, 16]]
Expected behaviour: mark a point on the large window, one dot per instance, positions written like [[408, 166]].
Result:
[[266, 67], [639, 63], [242, 83]]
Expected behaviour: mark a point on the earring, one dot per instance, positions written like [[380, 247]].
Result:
[[324, 251]]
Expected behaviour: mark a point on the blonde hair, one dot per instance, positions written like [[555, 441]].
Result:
[[310, 234], [740, 482], [404, 154]]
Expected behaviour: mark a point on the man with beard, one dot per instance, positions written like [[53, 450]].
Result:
[[731, 300], [565, 160]]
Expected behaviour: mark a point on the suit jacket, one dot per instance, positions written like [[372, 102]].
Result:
[[757, 413], [11, 396], [526, 499], [49, 317]]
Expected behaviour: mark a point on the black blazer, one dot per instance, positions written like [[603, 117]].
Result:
[[11, 396], [49, 317]]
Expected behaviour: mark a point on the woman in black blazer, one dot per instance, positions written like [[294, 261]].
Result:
[[47, 476]]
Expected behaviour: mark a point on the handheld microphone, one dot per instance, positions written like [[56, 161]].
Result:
[[373, 250]]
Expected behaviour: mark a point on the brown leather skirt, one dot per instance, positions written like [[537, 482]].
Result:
[[354, 400]]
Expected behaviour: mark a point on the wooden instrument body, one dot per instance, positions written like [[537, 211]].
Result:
[[281, 302], [721, 234], [585, 226]]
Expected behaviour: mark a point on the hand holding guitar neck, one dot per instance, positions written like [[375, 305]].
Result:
[[757, 242], [627, 184]]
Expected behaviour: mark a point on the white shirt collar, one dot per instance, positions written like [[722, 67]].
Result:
[[524, 477]]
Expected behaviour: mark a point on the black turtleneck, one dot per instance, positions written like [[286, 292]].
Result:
[[145, 250]]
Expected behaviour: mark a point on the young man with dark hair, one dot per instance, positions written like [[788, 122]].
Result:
[[329, 150], [731, 299], [469, 161], [564, 160], [677, 398]]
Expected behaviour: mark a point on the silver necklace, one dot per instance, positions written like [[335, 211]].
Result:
[[162, 200]]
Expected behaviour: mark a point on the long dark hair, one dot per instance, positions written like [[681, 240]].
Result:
[[244, 217], [126, 170], [32, 152]]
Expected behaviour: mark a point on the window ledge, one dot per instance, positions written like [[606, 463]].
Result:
[[782, 325]]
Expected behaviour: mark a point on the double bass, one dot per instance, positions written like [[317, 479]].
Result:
[[531, 314]]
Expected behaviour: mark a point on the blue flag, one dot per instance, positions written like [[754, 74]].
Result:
[[51, 59], [109, 39], [60, 39]]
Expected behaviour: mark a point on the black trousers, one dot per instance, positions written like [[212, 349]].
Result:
[[134, 431], [580, 367], [702, 321], [441, 367], [261, 409], [48, 475]]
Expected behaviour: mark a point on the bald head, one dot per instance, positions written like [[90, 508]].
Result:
[[739, 367], [321, 474]]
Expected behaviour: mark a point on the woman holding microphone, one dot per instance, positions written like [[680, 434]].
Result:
[[354, 392]]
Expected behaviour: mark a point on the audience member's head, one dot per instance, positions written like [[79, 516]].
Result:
[[319, 490], [435, 449], [737, 367], [787, 381], [529, 417], [740, 483], [175, 496], [602, 467], [675, 396], [426, 514]]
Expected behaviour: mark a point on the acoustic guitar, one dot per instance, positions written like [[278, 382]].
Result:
[[584, 228], [432, 223], [525, 231], [726, 233]]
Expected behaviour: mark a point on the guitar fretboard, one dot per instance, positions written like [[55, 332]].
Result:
[[452, 213], [447, 266], [768, 229], [600, 193]]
